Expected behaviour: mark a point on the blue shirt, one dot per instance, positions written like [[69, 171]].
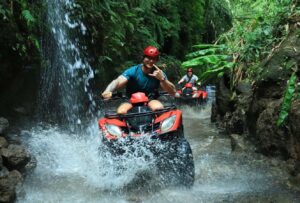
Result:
[[138, 81]]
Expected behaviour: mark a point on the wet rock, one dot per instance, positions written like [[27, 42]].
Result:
[[275, 162], [7, 186], [214, 113], [291, 166], [3, 142], [4, 124], [13, 139], [294, 119], [294, 182], [272, 139], [15, 177], [7, 193], [31, 164], [3, 171], [244, 88], [223, 97], [15, 157], [21, 110], [237, 143], [235, 122], [240, 143]]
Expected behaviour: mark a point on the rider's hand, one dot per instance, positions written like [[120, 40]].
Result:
[[106, 95], [158, 74]]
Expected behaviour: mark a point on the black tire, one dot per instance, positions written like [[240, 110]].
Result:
[[185, 168]]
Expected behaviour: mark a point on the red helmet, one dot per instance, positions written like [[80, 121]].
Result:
[[151, 51], [138, 97], [189, 70], [188, 85]]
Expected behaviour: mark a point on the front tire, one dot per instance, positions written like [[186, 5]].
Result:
[[185, 168]]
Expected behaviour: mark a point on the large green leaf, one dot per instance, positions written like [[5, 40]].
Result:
[[28, 17], [212, 50], [209, 59], [206, 46], [216, 72], [287, 100]]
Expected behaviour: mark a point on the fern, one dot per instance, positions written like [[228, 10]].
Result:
[[30, 20], [287, 100]]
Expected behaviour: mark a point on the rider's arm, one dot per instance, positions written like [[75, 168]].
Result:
[[182, 79], [168, 86], [114, 85]]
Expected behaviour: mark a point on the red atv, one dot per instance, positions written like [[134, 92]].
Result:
[[190, 95], [162, 128]]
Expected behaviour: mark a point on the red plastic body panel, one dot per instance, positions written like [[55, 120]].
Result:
[[120, 123]]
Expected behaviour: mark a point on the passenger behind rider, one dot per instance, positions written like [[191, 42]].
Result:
[[189, 78], [145, 77]]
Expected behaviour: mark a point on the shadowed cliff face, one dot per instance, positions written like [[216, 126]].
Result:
[[254, 111]]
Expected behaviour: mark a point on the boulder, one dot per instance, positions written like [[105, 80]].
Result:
[[3, 142], [273, 140], [15, 157], [7, 186], [4, 124]]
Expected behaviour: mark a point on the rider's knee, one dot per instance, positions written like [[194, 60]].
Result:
[[155, 105], [124, 108]]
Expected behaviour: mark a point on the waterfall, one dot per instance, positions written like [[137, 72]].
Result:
[[64, 93]]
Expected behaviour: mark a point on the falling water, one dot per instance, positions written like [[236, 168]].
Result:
[[64, 94]]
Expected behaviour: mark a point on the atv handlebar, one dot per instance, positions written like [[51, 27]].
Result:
[[130, 115]]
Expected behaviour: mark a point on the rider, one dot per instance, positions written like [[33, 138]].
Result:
[[145, 77], [189, 78]]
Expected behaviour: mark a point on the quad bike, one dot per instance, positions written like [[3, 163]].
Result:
[[162, 128], [190, 95]]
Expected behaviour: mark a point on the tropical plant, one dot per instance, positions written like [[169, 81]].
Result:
[[118, 30], [258, 30], [287, 100], [210, 59], [254, 36]]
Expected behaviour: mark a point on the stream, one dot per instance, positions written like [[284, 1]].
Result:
[[71, 169]]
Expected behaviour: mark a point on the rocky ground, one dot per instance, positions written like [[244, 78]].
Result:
[[14, 161]]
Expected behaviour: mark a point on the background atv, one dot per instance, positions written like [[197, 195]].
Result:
[[163, 132], [190, 95]]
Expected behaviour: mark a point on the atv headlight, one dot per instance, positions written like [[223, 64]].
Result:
[[113, 130], [195, 95], [168, 123]]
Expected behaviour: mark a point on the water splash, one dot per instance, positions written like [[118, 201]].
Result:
[[73, 168]]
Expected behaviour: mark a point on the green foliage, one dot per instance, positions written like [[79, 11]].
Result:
[[119, 30], [192, 26], [218, 19], [30, 20], [18, 18], [287, 101], [208, 59], [258, 27]]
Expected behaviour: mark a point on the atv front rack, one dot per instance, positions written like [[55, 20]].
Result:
[[130, 115]]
